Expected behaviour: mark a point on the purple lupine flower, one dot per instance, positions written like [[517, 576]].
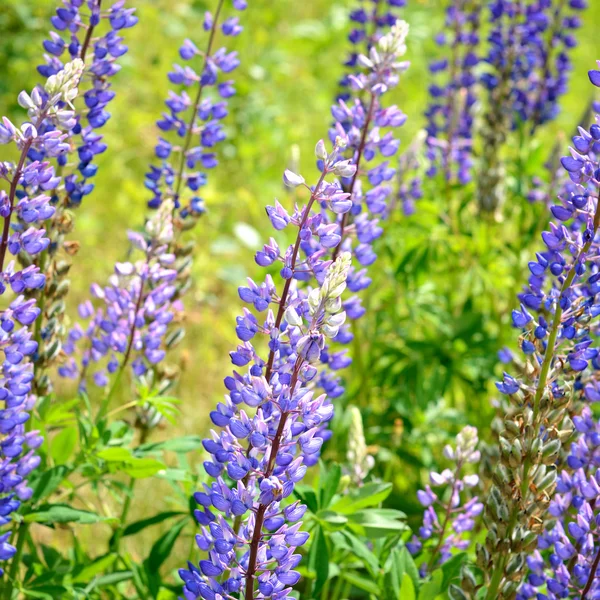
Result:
[[191, 127], [81, 34], [557, 337], [528, 66], [157, 302], [370, 21], [566, 561], [450, 110], [451, 513], [529, 53], [264, 450], [92, 35], [369, 126], [284, 429], [129, 325], [52, 104]]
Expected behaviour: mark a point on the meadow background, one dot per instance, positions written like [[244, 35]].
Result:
[[426, 352]]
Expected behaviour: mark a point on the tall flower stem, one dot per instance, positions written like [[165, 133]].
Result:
[[190, 126], [13, 189], [359, 155]]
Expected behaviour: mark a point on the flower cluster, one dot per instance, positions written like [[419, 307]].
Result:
[[152, 288], [359, 211], [369, 23], [52, 104], [448, 518], [572, 544], [131, 328], [557, 339], [270, 418], [450, 111], [78, 35], [193, 121], [528, 66]]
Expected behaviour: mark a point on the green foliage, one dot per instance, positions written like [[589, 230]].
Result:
[[111, 516]]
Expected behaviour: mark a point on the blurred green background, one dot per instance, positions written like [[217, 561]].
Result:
[[425, 354]]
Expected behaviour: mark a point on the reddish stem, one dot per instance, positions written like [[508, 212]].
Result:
[[359, 154], [260, 513], [88, 37], [13, 189]]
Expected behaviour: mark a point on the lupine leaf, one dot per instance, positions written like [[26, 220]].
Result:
[[48, 482], [140, 468], [329, 485], [360, 549], [163, 546], [63, 513], [451, 568], [432, 588], [63, 445], [85, 573], [370, 494], [362, 583], [138, 526], [407, 588], [318, 560], [180, 445]]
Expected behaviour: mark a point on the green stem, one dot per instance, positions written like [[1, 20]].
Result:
[[127, 504], [16, 561]]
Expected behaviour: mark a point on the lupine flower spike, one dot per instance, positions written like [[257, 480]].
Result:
[[450, 111], [528, 65], [556, 319], [92, 36], [451, 512], [139, 321], [51, 105], [269, 421]]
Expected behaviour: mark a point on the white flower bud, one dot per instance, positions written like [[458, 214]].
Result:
[[291, 179], [320, 151], [292, 317]]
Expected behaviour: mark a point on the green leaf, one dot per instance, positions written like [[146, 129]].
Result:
[[318, 560], [361, 551], [138, 526], [139, 468], [307, 496], [47, 592], [85, 573], [332, 518], [407, 588], [370, 494], [432, 588], [115, 454], [408, 565], [451, 568], [180, 445], [362, 583], [377, 522], [48, 482], [329, 485], [110, 579], [63, 444], [63, 513], [163, 546]]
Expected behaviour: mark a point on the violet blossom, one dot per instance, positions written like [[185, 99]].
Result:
[[52, 105]]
